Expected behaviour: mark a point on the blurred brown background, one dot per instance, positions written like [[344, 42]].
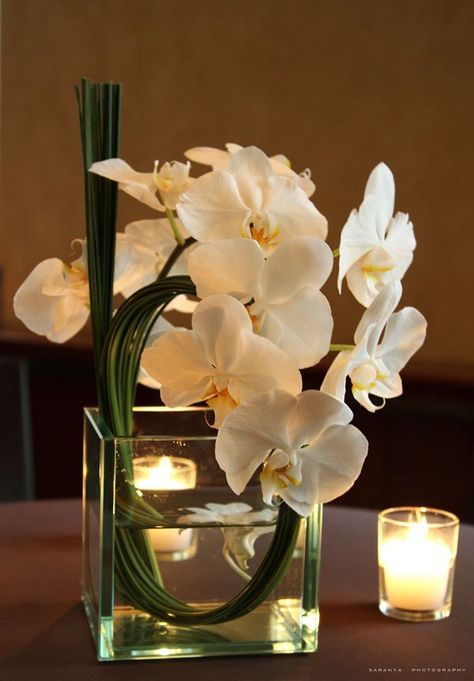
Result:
[[337, 86]]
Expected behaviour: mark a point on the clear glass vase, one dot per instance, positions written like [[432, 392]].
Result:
[[161, 524]]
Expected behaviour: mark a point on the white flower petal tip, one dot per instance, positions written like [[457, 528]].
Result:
[[220, 361], [376, 247], [219, 159], [141, 186], [280, 292], [384, 343], [303, 446], [249, 199]]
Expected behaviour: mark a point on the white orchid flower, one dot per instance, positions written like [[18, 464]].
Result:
[[221, 361], [219, 160], [374, 364], [249, 200], [307, 452], [239, 540], [281, 293], [53, 301], [170, 181], [376, 248]]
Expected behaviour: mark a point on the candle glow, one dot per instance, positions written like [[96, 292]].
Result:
[[166, 473], [416, 562]]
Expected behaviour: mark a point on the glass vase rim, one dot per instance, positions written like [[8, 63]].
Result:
[[452, 520], [105, 433]]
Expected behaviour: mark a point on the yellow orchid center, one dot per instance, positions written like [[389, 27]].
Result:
[[281, 476], [376, 263], [364, 377], [76, 275]]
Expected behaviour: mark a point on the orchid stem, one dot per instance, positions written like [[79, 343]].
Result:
[[174, 226], [340, 347], [335, 253], [176, 252]]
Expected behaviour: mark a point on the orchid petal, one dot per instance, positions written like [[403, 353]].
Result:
[[70, 316], [154, 234], [363, 398], [400, 242], [388, 386], [358, 237], [304, 328], [330, 467], [240, 542], [303, 261], [217, 158], [381, 186], [405, 333], [139, 185], [160, 327], [212, 208], [135, 266], [377, 314], [293, 212], [231, 266], [220, 159], [249, 433], [221, 324], [315, 411], [252, 170], [182, 304], [334, 382], [364, 289], [192, 382], [260, 367]]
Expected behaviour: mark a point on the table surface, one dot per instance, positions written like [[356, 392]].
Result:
[[44, 635]]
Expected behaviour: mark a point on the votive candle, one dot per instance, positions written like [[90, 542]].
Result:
[[416, 553], [166, 473]]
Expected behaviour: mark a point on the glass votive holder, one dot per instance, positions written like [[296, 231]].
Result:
[[157, 474], [416, 554]]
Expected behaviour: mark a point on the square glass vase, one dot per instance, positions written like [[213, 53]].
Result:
[[164, 536]]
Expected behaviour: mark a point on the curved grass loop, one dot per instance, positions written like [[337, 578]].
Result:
[[137, 575]]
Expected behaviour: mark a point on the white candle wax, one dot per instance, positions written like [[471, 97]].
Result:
[[171, 539], [168, 473], [416, 570]]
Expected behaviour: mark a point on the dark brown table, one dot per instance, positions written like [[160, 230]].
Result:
[[44, 635]]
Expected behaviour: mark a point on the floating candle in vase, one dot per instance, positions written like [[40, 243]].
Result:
[[167, 473], [417, 551]]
